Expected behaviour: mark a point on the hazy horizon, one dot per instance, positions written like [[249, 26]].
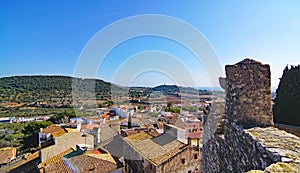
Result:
[[214, 88]]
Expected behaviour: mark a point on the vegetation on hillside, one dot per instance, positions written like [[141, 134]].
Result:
[[63, 117], [50, 89], [286, 109], [24, 96], [11, 134], [30, 139]]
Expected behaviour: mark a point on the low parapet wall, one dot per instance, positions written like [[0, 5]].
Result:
[[288, 128], [242, 150]]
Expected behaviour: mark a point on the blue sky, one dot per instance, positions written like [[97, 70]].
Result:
[[47, 37]]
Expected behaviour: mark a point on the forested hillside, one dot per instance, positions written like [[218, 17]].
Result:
[[44, 95], [52, 89], [51, 95]]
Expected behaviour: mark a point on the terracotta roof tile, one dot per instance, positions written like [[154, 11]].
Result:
[[28, 159], [139, 136], [196, 135], [85, 163], [89, 126], [58, 167], [153, 132], [55, 159], [64, 142], [82, 163], [54, 130], [152, 151], [70, 130], [6, 154]]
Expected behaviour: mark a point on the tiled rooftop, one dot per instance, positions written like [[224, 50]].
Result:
[[139, 136], [57, 167], [85, 163], [147, 121], [6, 154], [107, 157], [28, 159], [188, 124], [70, 130], [64, 142], [56, 158], [56, 131], [81, 164], [196, 135], [151, 150], [89, 126], [79, 161]]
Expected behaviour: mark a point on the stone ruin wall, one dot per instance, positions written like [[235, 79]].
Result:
[[248, 94], [230, 147]]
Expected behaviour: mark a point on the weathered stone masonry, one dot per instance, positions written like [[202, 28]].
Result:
[[248, 140], [248, 94]]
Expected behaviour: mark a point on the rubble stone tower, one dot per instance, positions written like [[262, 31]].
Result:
[[248, 94]]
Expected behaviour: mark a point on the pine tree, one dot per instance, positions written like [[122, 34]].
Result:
[[129, 122], [286, 109]]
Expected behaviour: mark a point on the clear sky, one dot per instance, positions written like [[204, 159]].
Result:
[[47, 37]]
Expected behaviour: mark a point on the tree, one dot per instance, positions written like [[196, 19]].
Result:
[[286, 109], [169, 104], [129, 121], [63, 117], [100, 105], [30, 131], [174, 110]]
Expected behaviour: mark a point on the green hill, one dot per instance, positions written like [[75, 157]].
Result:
[[48, 95], [45, 95], [27, 89]]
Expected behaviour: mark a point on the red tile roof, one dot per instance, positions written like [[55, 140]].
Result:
[[89, 126], [58, 167], [81, 164], [196, 135], [55, 159], [154, 152], [54, 130], [6, 154]]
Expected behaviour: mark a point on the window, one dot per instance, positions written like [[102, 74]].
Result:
[[195, 156], [182, 161]]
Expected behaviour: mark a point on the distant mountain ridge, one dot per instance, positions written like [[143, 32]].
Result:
[[49, 95], [36, 87]]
